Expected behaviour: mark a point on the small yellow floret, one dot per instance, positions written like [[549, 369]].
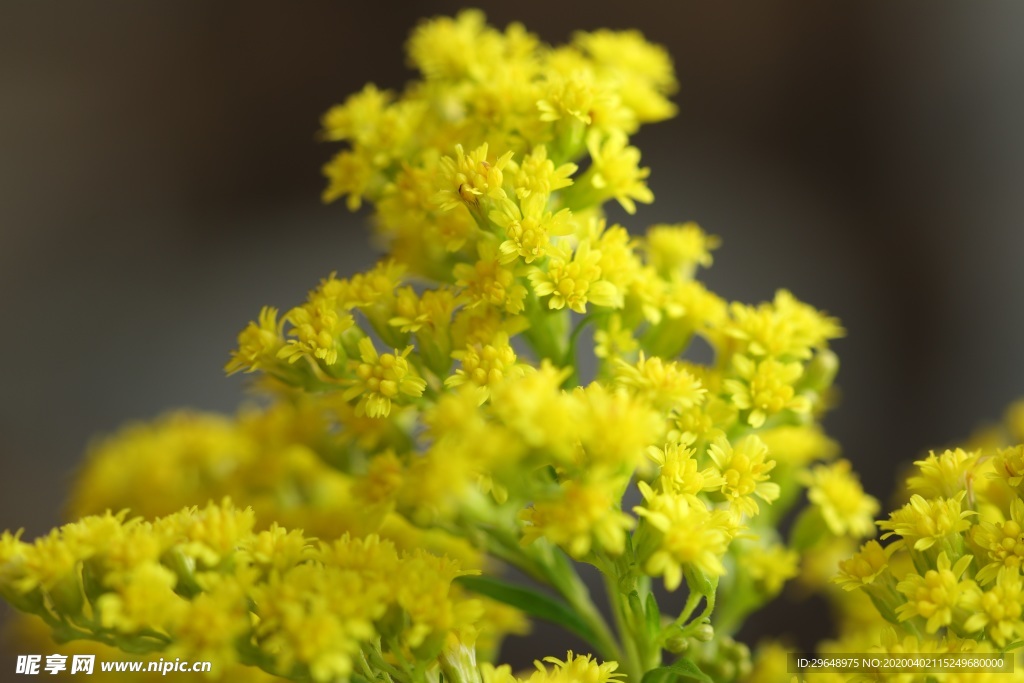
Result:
[[381, 379]]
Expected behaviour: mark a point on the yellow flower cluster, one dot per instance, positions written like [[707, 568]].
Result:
[[441, 408], [947, 574], [201, 584]]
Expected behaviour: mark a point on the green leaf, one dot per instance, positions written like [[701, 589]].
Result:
[[653, 615], [683, 668], [635, 606], [532, 602]]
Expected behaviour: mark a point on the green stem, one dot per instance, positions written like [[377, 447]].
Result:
[[630, 661], [553, 569]]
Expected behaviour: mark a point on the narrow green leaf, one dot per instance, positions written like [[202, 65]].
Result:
[[683, 668], [653, 615], [533, 603], [635, 606]]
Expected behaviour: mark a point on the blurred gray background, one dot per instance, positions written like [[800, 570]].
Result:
[[159, 182]]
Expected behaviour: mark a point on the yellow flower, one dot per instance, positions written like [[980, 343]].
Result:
[[579, 97], [784, 329], [642, 71], [997, 610], [529, 227], [921, 523], [614, 340], [616, 428], [935, 595], [686, 533], [680, 473], [574, 278], [676, 250], [212, 533], [258, 343], [317, 325], [1002, 543], [799, 445], [575, 669], [1009, 465], [585, 515], [537, 175], [944, 475], [615, 172], [491, 283], [446, 48], [864, 567], [468, 178], [485, 365], [744, 466], [381, 379], [836, 491], [666, 385], [770, 567], [765, 388], [360, 114], [143, 599]]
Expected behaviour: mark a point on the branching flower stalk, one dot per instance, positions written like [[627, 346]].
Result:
[[430, 421]]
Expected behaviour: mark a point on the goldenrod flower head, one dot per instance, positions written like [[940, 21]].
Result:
[[489, 282], [799, 444], [574, 669], [614, 341], [619, 261], [1002, 543], [350, 174], [666, 385], [944, 475], [448, 49], [469, 177], [785, 329], [680, 473], [676, 250], [529, 227], [765, 388], [485, 365], [997, 610], [921, 522], [258, 343], [581, 98], [770, 567], [212, 533], [317, 325], [863, 568], [836, 491], [935, 595], [143, 599], [687, 533], [536, 175], [615, 172], [574, 278], [276, 548], [744, 466], [619, 427], [358, 117], [584, 515], [381, 379], [1008, 464]]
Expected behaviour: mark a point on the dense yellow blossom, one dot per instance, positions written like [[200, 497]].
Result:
[[435, 416], [935, 595], [744, 467], [835, 490], [922, 522]]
